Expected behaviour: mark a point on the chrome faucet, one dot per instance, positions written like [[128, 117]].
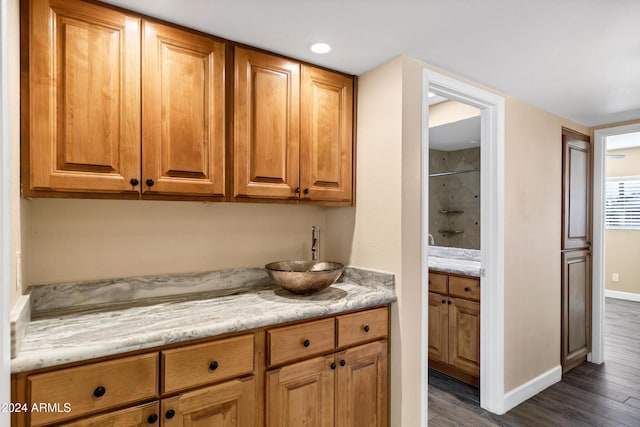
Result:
[[315, 243], [432, 242]]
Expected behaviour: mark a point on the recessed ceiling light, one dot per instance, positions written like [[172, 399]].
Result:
[[320, 48]]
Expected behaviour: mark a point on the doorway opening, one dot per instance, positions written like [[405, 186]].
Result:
[[616, 223], [491, 223]]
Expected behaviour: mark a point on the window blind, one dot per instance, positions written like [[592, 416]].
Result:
[[622, 202]]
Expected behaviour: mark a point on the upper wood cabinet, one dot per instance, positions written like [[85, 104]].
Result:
[[326, 135], [81, 98], [120, 106], [293, 130], [183, 103], [266, 125]]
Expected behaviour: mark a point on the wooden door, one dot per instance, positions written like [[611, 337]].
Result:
[[576, 308], [139, 416], [301, 394], [464, 335], [326, 135], [81, 106], [577, 190], [230, 404], [438, 327], [266, 125], [361, 386], [183, 113]]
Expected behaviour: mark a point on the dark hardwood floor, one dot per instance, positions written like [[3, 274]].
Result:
[[589, 395]]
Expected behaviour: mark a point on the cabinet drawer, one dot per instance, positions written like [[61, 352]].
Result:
[[438, 283], [94, 387], [464, 287], [300, 341], [364, 326], [206, 363]]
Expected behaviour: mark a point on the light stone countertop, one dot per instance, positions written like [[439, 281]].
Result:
[[66, 334], [455, 260]]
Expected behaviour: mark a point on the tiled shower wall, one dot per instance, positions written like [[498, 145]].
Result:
[[459, 192]]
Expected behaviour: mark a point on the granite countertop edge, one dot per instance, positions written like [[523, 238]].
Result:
[[78, 337]]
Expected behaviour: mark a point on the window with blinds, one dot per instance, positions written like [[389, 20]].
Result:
[[622, 202]]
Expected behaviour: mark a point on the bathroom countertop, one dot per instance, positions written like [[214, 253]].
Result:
[[455, 260], [151, 312]]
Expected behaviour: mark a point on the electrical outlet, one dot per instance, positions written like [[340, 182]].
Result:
[[615, 277], [18, 271]]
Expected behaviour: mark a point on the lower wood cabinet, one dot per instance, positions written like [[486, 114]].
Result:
[[331, 371], [454, 326]]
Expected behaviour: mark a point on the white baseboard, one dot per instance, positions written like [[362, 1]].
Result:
[[629, 296], [531, 388]]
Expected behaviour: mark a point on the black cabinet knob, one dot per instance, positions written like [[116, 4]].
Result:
[[213, 366], [444, 301], [366, 328], [306, 343], [305, 191], [449, 302], [343, 362], [152, 418], [149, 182], [99, 391], [333, 365], [467, 289], [134, 181], [170, 414], [297, 190]]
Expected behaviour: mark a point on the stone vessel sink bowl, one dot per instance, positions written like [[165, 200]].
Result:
[[304, 277]]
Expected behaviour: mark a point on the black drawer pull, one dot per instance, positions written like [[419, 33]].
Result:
[[99, 391], [333, 365], [134, 181], [366, 328], [343, 362], [467, 289], [170, 414], [213, 366], [306, 343], [149, 182], [444, 301], [449, 302], [152, 418]]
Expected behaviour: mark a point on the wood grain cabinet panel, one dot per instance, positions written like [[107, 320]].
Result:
[[94, 387], [464, 336], [266, 125], [230, 404], [183, 112], [299, 341], [454, 326], [326, 135], [81, 98], [361, 386], [301, 394], [138, 416], [195, 365], [356, 328], [438, 327]]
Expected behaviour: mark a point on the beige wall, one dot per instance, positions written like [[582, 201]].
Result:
[[533, 193], [622, 247], [449, 112], [73, 240]]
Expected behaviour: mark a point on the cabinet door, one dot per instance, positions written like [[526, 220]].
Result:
[[576, 308], [83, 103], [230, 404], [361, 386], [183, 110], [301, 394], [464, 335], [326, 135], [438, 327], [139, 416], [266, 125]]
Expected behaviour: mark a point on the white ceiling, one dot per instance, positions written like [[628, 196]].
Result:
[[577, 58], [456, 136]]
